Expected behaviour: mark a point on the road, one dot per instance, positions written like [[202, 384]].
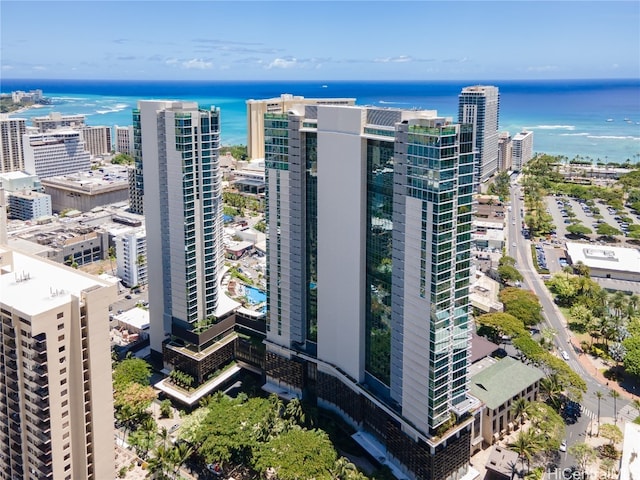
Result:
[[521, 252]]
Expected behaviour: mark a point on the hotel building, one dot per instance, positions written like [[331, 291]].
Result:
[[11, 132], [479, 105], [97, 140], [505, 151], [369, 214], [56, 401], [257, 108], [522, 150], [124, 139], [59, 152], [177, 166], [56, 120]]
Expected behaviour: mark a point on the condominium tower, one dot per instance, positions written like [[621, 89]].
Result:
[[56, 401], [369, 214], [257, 108], [522, 150], [177, 175], [479, 105], [11, 132]]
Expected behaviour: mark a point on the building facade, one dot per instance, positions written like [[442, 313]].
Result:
[[124, 139], [11, 132], [56, 120], [368, 276], [256, 110], [479, 105], [59, 152], [29, 205], [56, 400], [505, 149], [177, 164], [131, 256], [97, 139], [522, 150]]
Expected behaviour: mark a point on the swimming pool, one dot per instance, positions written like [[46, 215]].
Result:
[[254, 295]]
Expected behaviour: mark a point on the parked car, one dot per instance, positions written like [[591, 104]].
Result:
[[563, 446]]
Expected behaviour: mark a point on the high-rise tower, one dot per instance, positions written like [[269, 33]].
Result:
[[479, 106], [369, 214], [177, 172], [11, 155], [56, 399]]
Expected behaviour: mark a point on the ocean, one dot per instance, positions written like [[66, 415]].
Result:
[[596, 119]]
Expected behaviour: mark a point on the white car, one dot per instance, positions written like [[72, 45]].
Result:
[[513, 244], [563, 446], [564, 355]]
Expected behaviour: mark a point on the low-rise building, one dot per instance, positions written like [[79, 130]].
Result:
[[620, 263], [85, 191], [28, 205], [489, 385]]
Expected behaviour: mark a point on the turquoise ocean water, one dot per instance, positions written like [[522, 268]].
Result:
[[599, 119]]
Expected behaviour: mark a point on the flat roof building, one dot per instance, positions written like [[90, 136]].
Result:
[[522, 149], [97, 139], [56, 404], [56, 120], [604, 261], [29, 205], [59, 152]]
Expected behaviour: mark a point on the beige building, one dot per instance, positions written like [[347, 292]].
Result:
[[256, 110], [11, 132], [97, 140], [56, 120], [56, 401]]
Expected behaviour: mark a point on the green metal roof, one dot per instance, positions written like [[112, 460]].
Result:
[[503, 380]]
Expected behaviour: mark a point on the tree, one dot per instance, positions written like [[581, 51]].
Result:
[[607, 230], [508, 273], [131, 370], [522, 304], [581, 269], [297, 454], [599, 396], [631, 360], [583, 453], [496, 325], [165, 408], [611, 433], [519, 409], [122, 158], [112, 258], [526, 445], [615, 395], [579, 229]]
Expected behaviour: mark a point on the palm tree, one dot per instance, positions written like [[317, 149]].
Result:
[[179, 455], [552, 387], [343, 469], [615, 395], [112, 257], [526, 445], [519, 409], [599, 396]]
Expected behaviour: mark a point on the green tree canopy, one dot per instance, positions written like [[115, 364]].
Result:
[[632, 358], [122, 158], [131, 370], [495, 325], [522, 304], [578, 229]]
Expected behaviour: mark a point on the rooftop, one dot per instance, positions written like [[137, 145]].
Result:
[[630, 461], [605, 257], [32, 285], [489, 384]]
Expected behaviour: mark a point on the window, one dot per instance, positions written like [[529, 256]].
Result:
[[61, 337], [60, 325]]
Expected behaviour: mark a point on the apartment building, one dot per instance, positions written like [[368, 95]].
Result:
[[59, 152], [369, 256], [29, 205], [479, 105], [97, 140], [56, 120], [131, 257], [56, 402], [124, 139], [11, 132], [522, 150], [505, 152]]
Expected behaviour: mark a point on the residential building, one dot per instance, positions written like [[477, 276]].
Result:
[[522, 149], [368, 263], [124, 139], [18, 181], [29, 205], [479, 105], [97, 140], [56, 400], [505, 148], [59, 152], [256, 109], [131, 257], [11, 132], [489, 386], [176, 159], [56, 120]]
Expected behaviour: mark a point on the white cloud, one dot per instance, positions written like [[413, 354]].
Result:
[[7, 67], [399, 59], [197, 63], [283, 63], [171, 61], [39, 67], [615, 65]]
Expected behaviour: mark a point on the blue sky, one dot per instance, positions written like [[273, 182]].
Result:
[[318, 40]]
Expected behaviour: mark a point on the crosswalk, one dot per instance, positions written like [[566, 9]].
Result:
[[588, 413]]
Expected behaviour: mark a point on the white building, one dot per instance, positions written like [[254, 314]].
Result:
[[178, 163], [11, 132], [29, 205], [59, 152], [97, 140], [619, 263], [131, 257], [56, 120], [522, 149], [56, 405], [124, 139], [16, 181], [479, 105], [369, 267], [505, 152]]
